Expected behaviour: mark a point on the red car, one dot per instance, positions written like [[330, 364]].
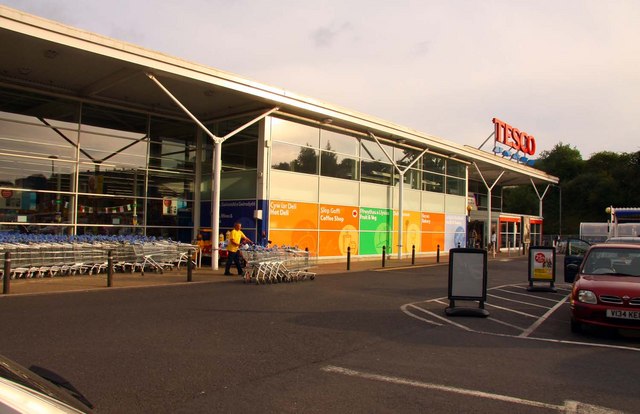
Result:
[[606, 290]]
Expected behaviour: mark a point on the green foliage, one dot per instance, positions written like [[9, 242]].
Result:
[[565, 161], [588, 187]]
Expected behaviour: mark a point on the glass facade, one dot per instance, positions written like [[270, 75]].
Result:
[[72, 167], [314, 150], [69, 167]]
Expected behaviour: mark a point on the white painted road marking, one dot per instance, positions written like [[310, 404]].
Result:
[[404, 309], [410, 308], [543, 318], [525, 294], [528, 315], [573, 407], [517, 301]]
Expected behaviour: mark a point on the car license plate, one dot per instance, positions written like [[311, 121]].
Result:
[[623, 314]]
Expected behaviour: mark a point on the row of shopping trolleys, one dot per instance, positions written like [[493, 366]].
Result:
[[61, 259], [275, 265]]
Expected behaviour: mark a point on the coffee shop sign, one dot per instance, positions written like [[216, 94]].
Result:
[[512, 143]]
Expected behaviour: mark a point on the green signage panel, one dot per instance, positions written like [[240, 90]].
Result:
[[375, 230]]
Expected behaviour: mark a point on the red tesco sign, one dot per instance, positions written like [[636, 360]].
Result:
[[514, 138]]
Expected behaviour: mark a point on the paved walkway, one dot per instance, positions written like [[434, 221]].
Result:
[[204, 274]]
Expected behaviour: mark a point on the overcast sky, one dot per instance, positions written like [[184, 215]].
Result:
[[561, 70]]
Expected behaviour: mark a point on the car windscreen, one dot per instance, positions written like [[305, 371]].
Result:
[[612, 261], [630, 240]]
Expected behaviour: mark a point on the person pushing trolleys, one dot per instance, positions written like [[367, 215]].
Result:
[[236, 238]]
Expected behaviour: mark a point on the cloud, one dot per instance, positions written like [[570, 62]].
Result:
[[325, 36], [422, 48]]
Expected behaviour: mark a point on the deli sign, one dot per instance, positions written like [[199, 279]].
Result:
[[520, 145]]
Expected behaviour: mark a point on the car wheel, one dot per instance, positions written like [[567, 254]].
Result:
[[576, 327]]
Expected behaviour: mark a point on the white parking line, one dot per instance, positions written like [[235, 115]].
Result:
[[568, 407], [404, 309], [511, 310], [543, 318], [547, 293], [438, 317], [518, 301], [505, 323], [524, 294]]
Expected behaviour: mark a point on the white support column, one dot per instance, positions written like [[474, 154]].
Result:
[[400, 189], [400, 212], [216, 166]]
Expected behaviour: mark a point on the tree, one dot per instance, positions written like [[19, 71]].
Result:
[[588, 187], [307, 161], [562, 161]]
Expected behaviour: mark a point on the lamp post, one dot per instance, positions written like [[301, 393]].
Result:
[[469, 208], [560, 212], [559, 209]]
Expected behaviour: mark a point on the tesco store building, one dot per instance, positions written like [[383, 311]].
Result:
[[98, 136]]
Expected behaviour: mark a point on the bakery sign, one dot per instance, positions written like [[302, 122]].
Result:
[[512, 143]]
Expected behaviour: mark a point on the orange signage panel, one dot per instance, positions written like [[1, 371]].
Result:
[[433, 222], [338, 217], [433, 225], [292, 215], [336, 243], [304, 239]]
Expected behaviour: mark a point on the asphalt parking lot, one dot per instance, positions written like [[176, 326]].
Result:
[[368, 341]]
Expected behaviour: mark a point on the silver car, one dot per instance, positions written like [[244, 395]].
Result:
[[22, 390]]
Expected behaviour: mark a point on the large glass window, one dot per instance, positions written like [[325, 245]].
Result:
[[36, 173], [303, 157], [118, 211], [169, 212], [376, 172], [370, 150], [38, 126], [375, 167], [456, 169], [412, 177], [455, 186], [172, 145], [432, 182], [35, 136], [295, 133], [294, 158], [123, 182], [109, 149], [53, 170], [405, 156], [339, 166], [433, 163], [239, 151], [342, 143]]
